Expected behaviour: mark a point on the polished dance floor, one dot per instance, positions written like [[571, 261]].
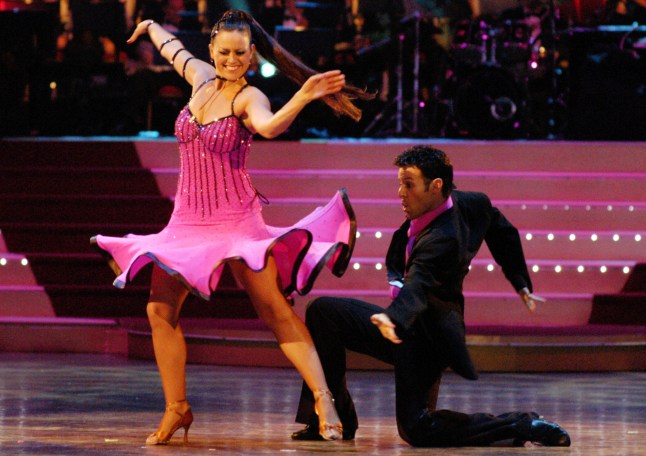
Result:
[[63, 404]]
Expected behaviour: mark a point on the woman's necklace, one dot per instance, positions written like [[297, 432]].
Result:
[[222, 78], [209, 101]]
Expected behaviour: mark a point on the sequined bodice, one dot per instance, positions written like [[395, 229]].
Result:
[[213, 178]]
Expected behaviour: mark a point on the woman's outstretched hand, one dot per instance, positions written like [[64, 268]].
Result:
[[322, 84], [141, 29]]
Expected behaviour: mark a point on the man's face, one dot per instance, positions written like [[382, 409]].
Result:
[[417, 196]]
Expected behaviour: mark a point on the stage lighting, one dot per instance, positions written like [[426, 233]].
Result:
[[267, 70]]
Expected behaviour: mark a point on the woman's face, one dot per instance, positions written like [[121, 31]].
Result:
[[232, 53]]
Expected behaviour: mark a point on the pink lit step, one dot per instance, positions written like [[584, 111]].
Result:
[[80, 208], [528, 186], [465, 155], [539, 244], [15, 270], [59, 180], [366, 183], [556, 156], [24, 301], [65, 335], [479, 278], [534, 215], [3, 245], [484, 308]]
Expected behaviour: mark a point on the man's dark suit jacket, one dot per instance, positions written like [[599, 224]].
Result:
[[431, 300]]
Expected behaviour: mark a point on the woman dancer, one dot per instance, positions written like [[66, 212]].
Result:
[[217, 214]]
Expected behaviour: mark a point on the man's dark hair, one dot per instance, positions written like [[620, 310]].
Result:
[[432, 162]]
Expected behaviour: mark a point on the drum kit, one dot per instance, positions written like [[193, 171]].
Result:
[[493, 67], [489, 71], [479, 86]]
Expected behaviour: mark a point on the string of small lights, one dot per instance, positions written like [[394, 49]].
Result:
[[557, 266]]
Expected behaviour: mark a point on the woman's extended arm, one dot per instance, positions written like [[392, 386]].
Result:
[[261, 120], [171, 48]]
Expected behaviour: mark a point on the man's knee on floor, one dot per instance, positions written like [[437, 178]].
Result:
[[418, 437], [441, 428]]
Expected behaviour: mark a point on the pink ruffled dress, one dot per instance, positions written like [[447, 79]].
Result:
[[217, 217]]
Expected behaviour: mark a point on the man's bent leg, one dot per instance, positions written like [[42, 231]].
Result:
[[418, 373], [444, 428]]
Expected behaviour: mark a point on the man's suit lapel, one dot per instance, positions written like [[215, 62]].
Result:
[[396, 256]]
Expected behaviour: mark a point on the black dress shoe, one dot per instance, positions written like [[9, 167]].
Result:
[[310, 432], [546, 433]]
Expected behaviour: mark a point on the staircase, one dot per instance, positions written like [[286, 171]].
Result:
[[625, 307], [54, 196], [580, 208]]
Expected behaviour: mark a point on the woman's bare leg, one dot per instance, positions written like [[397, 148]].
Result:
[[164, 304], [291, 333]]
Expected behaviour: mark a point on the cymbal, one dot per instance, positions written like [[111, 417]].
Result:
[[605, 29], [640, 44], [315, 5], [16, 6]]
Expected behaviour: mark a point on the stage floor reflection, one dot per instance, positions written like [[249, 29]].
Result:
[[64, 404]]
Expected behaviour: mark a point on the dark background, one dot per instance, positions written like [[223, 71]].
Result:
[[593, 86]]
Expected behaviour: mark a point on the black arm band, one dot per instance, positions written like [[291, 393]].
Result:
[[165, 43], [172, 60], [184, 67]]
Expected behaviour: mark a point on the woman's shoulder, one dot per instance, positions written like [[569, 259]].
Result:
[[249, 91], [200, 78], [250, 94]]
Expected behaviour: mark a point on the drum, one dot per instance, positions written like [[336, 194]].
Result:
[[470, 42], [513, 43], [488, 103]]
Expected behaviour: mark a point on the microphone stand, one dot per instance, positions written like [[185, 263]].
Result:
[[554, 86], [400, 88], [400, 106], [416, 75]]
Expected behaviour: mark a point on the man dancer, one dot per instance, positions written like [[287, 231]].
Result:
[[421, 332]]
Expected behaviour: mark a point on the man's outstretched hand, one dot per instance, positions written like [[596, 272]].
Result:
[[386, 326], [530, 299]]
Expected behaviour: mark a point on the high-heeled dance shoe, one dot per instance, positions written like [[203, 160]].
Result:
[[162, 437], [329, 431], [310, 432]]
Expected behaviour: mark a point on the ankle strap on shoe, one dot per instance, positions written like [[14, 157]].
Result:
[[171, 405], [321, 393]]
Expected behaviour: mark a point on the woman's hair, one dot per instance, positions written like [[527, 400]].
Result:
[[287, 63]]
